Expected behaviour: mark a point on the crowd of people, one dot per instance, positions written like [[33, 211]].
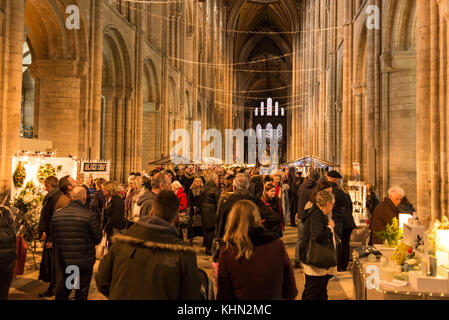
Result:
[[240, 214]]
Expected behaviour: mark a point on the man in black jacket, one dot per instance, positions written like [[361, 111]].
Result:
[[76, 232], [7, 251], [46, 270], [149, 261], [342, 216]]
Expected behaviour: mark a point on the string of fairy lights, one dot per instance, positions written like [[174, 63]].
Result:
[[239, 66], [396, 292], [219, 28]]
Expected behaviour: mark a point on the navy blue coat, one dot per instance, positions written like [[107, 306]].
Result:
[[76, 232]]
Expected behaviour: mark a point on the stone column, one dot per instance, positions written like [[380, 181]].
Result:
[[347, 94], [384, 124], [109, 128], [97, 81], [119, 135], [11, 57], [423, 123], [128, 130], [358, 119], [59, 103]]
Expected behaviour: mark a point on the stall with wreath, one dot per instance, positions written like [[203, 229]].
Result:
[[29, 171]]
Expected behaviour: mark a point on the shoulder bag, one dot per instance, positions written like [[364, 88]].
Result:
[[320, 255]]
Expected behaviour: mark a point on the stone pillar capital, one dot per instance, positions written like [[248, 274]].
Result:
[[358, 88], [108, 92], [67, 68], [386, 62]]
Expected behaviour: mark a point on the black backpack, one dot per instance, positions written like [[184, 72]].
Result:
[[7, 237]]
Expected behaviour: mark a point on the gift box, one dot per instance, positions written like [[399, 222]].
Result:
[[411, 233], [423, 283]]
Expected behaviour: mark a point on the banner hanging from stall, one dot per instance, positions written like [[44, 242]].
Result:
[[96, 168]]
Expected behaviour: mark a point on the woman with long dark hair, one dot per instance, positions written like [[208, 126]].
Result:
[[270, 200]]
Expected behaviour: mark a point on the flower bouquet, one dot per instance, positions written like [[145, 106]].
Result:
[[28, 204], [392, 234]]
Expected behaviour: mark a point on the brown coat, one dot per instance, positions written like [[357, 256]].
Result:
[[62, 202], [382, 215]]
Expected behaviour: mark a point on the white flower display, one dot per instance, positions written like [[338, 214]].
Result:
[[411, 262]]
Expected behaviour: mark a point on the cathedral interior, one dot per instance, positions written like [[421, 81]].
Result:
[[362, 81]]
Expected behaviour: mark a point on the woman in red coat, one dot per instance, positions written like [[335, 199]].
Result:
[[248, 255], [182, 196]]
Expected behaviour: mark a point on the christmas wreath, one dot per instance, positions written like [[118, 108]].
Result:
[[46, 170], [19, 175]]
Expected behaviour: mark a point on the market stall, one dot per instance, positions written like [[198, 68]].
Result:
[[307, 163], [32, 169], [168, 162], [412, 264]]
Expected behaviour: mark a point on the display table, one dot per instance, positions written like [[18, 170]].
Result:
[[361, 292]]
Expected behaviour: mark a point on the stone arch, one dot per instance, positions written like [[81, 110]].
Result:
[[117, 81], [189, 17], [151, 117], [153, 91], [58, 62]]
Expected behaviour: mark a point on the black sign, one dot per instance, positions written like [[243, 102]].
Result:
[[95, 167]]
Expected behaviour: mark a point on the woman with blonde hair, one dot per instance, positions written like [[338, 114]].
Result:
[[114, 210], [194, 202], [248, 255]]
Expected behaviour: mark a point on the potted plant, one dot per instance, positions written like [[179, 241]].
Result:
[[392, 234]]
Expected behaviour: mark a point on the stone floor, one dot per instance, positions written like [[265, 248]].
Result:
[[27, 287]]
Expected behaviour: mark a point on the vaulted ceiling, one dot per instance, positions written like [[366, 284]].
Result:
[[268, 16]]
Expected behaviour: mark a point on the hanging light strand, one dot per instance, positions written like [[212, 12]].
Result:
[[291, 32]]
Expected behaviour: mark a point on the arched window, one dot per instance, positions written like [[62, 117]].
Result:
[[269, 131], [259, 132], [279, 132]]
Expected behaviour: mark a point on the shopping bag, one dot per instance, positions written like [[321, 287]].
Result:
[[183, 219], [102, 248]]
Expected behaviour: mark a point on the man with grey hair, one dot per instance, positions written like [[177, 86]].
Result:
[[240, 192], [76, 231], [160, 181], [385, 211]]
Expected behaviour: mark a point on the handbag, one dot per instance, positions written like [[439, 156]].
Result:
[[215, 251], [196, 218], [321, 255], [183, 219], [102, 249]]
